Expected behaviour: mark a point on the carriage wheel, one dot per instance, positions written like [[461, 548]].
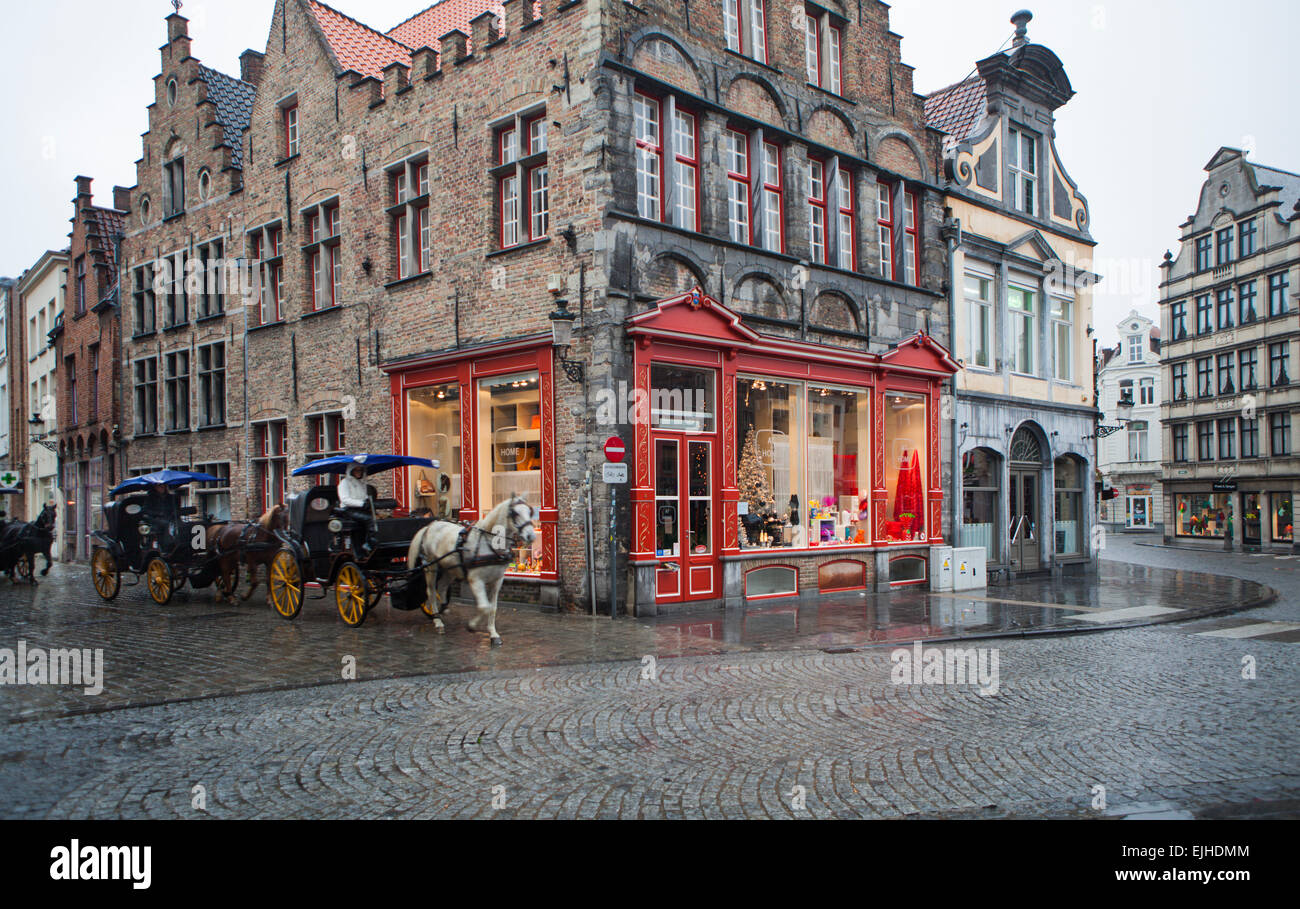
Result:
[[23, 567], [159, 578], [104, 574], [350, 594], [285, 585], [374, 593]]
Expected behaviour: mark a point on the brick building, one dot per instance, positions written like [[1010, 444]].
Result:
[[8, 296], [740, 214], [88, 353], [182, 320]]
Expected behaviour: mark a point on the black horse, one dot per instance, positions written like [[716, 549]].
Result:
[[23, 540]]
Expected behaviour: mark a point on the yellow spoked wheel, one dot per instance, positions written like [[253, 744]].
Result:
[[159, 578], [373, 593], [104, 574], [351, 594], [285, 585]]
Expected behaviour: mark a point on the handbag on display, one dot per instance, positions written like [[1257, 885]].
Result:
[[424, 485]]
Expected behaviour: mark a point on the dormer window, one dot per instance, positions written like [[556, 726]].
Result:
[[1022, 159], [1135, 349]]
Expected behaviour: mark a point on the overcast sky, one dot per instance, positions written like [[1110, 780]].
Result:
[[1162, 85]]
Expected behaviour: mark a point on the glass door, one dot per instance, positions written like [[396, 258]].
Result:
[[685, 543], [1139, 512], [1024, 520]]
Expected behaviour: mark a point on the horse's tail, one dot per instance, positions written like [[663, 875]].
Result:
[[417, 544]]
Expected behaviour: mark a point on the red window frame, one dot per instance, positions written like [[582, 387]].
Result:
[[656, 149], [761, 7], [291, 136], [817, 210], [679, 159], [271, 442], [837, 59], [401, 233], [913, 230], [775, 191], [742, 179], [885, 224], [845, 182]]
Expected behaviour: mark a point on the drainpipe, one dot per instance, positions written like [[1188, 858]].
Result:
[[951, 233]]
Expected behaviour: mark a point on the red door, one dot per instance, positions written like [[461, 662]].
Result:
[[686, 517]]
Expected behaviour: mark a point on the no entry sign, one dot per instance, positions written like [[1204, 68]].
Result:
[[614, 450]]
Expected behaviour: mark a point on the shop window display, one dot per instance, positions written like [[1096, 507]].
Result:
[[1203, 515], [838, 453], [510, 450], [433, 431], [1069, 506], [981, 481], [770, 463], [1281, 507], [905, 466]]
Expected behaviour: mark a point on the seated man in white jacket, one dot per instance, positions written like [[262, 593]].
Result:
[[354, 497]]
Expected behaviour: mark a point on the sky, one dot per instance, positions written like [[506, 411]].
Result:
[[1161, 86]]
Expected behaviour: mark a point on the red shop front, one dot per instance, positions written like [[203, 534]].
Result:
[[767, 467], [486, 416]]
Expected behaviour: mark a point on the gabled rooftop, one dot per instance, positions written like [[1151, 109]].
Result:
[[425, 28], [357, 46], [234, 101]]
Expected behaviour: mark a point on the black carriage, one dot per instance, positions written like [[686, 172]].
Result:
[[148, 533], [355, 553]]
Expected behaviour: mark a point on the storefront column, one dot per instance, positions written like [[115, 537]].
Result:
[[879, 495], [934, 493], [1265, 520], [730, 492], [642, 549]]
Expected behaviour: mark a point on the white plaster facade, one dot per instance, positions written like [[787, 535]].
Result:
[[1129, 460]]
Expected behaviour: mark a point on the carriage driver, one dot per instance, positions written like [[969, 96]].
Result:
[[353, 498]]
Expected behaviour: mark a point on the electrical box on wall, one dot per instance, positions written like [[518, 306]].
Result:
[[941, 568], [968, 568]]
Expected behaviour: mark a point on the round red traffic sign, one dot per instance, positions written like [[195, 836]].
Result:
[[614, 450]]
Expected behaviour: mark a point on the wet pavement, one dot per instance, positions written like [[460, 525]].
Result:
[[785, 711], [194, 648]]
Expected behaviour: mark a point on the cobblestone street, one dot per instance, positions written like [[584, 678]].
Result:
[[748, 717]]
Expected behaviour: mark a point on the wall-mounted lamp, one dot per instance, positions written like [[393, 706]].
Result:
[[562, 337]]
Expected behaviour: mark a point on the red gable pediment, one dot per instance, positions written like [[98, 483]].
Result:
[[696, 316], [921, 352]]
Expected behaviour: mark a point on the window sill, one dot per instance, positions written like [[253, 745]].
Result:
[[320, 312], [143, 335], [413, 279], [748, 59], [253, 328], [209, 318], [175, 432], [284, 161], [169, 329], [829, 93], [531, 244], [209, 427]]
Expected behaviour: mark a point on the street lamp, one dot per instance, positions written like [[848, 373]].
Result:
[[1123, 413], [562, 337]]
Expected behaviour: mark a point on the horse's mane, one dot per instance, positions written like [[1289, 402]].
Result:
[[271, 514], [498, 514]]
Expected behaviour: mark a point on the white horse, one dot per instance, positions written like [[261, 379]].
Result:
[[477, 555]]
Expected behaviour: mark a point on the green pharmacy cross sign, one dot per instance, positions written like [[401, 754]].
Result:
[[9, 480]]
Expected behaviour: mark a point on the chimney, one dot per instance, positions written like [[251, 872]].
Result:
[[122, 198], [1021, 21], [177, 27], [83, 191], [250, 66]]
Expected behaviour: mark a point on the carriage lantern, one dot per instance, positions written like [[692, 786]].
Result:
[[562, 337]]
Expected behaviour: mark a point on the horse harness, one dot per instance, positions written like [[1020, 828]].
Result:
[[493, 556]]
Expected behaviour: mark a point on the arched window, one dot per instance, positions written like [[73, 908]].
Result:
[[1025, 447], [981, 484], [1070, 479]]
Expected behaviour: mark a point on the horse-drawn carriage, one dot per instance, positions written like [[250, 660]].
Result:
[[22, 541], [147, 533], [356, 553]]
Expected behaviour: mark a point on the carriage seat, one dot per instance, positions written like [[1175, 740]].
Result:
[[399, 530], [311, 512]]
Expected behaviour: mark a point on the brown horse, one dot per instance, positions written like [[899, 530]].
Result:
[[255, 544]]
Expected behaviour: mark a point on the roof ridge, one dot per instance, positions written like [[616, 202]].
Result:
[[368, 28], [956, 85]]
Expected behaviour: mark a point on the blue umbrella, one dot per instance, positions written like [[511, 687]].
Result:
[[163, 478], [372, 463]]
